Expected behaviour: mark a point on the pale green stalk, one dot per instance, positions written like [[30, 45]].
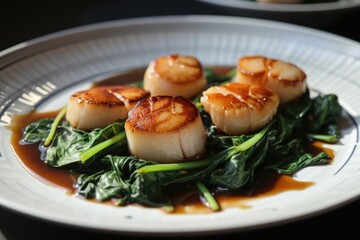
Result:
[[212, 203], [85, 155], [54, 126]]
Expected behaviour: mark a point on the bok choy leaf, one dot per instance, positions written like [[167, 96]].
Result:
[[69, 143]]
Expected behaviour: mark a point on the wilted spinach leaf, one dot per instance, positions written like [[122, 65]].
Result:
[[69, 142], [121, 181]]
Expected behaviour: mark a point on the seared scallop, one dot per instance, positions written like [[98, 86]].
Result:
[[165, 129], [239, 108], [285, 78], [175, 75], [100, 106]]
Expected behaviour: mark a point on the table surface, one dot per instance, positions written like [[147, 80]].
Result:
[[33, 19]]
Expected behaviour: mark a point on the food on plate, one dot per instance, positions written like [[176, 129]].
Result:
[[285, 78], [100, 106], [239, 108], [220, 141], [175, 75], [165, 129]]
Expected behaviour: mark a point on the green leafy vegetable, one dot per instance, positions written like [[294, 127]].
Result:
[[121, 181], [92, 151], [304, 161], [68, 143], [326, 112], [37, 132], [231, 162]]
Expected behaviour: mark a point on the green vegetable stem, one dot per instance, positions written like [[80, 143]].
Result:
[[54, 127]]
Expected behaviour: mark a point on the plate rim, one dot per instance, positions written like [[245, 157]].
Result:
[[91, 27], [169, 19]]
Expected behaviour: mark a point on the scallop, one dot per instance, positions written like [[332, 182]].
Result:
[[285, 78], [240, 108], [165, 129], [175, 75], [100, 106]]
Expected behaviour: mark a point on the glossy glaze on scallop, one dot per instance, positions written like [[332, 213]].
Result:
[[100, 106], [286, 79], [239, 108], [175, 75], [165, 129]]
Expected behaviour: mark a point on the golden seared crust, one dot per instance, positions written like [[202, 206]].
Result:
[[175, 75], [260, 69], [162, 114], [283, 72], [100, 106], [165, 129], [110, 95], [256, 72], [238, 108], [240, 95], [178, 68], [285, 78]]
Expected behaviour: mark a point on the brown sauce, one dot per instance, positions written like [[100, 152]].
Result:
[[29, 155], [186, 200]]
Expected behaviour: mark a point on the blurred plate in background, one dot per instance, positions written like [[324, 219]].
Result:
[[311, 14]]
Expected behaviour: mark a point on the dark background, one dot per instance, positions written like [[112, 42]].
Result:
[[24, 20]]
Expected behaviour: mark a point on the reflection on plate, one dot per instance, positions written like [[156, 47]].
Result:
[[311, 14], [43, 72]]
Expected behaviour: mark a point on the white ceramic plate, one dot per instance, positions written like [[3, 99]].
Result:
[[43, 72]]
